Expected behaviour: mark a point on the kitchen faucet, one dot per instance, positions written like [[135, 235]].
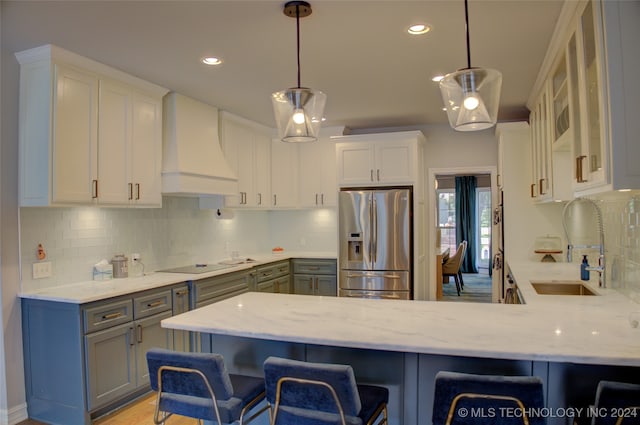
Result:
[[600, 268]]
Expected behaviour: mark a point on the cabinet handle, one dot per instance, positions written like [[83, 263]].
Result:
[[137, 191], [112, 316], [322, 198], [94, 189], [181, 293], [311, 284], [314, 267], [316, 199], [266, 274], [139, 334], [244, 198], [498, 182], [378, 174], [130, 191], [259, 198], [372, 174], [579, 170], [540, 187], [155, 304], [532, 190], [275, 200], [132, 337]]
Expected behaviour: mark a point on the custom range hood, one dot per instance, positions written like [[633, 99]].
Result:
[[192, 162]]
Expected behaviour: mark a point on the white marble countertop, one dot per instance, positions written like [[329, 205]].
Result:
[[89, 291], [581, 329]]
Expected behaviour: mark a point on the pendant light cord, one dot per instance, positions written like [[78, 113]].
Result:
[[466, 26], [298, 39]]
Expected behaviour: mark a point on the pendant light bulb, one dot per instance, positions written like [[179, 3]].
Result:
[[471, 102], [298, 116], [296, 107]]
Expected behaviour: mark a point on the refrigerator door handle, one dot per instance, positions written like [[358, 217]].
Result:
[[374, 233], [371, 212]]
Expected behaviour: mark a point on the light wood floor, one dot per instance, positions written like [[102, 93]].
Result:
[[138, 413]]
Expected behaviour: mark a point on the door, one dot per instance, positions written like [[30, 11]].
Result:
[[180, 297], [391, 230], [326, 285], [150, 334], [110, 364], [355, 226], [75, 129], [355, 163], [303, 284], [146, 150]]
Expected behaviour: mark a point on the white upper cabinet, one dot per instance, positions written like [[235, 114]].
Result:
[[129, 152], [590, 68], [247, 148], [284, 174], [88, 134], [378, 159], [317, 174]]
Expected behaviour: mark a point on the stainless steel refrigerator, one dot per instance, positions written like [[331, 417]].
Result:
[[376, 249]]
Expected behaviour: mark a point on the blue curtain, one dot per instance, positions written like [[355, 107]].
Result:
[[466, 220]]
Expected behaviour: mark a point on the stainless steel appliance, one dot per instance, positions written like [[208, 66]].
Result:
[[499, 274], [376, 249]]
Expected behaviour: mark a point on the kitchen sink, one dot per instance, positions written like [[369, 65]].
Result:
[[560, 287]]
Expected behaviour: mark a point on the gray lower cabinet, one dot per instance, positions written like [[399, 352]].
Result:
[[83, 359], [211, 290], [274, 277], [315, 277], [180, 301]]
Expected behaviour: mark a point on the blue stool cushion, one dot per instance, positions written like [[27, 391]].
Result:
[[614, 397], [488, 412], [187, 395]]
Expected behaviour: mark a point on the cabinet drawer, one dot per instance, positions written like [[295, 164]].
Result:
[[314, 266], [104, 316], [272, 271], [215, 289], [148, 305]]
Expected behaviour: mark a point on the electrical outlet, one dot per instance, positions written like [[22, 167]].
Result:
[[42, 270], [135, 257]]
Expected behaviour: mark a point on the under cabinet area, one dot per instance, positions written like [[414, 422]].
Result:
[[88, 134], [84, 359], [315, 277]]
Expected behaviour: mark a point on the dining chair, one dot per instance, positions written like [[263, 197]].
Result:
[[452, 266], [305, 393], [198, 385], [469, 399]]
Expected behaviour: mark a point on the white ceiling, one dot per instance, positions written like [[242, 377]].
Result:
[[356, 51]]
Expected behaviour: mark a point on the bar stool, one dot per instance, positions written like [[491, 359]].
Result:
[[462, 398], [304, 393], [198, 385], [616, 403]]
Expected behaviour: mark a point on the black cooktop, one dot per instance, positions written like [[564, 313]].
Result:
[[197, 268]]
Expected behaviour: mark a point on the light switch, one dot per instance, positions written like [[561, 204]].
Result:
[[42, 270]]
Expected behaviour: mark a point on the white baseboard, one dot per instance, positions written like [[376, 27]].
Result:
[[14, 415]]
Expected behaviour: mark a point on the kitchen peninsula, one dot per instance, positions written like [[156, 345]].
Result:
[[404, 344]]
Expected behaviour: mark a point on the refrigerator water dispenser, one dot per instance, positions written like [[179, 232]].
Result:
[[354, 240]]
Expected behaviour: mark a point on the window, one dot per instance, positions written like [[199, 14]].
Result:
[[447, 218]]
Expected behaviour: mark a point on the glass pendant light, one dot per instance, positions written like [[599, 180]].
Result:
[[471, 95], [298, 110]]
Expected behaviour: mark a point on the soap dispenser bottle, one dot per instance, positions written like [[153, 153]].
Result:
[[584, 273]]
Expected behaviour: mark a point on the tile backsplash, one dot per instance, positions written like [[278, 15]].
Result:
[[177, 234], [621, 213]]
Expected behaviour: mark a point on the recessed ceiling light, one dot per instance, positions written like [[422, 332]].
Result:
[[419, 29], [211, 60], [437, 78]]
